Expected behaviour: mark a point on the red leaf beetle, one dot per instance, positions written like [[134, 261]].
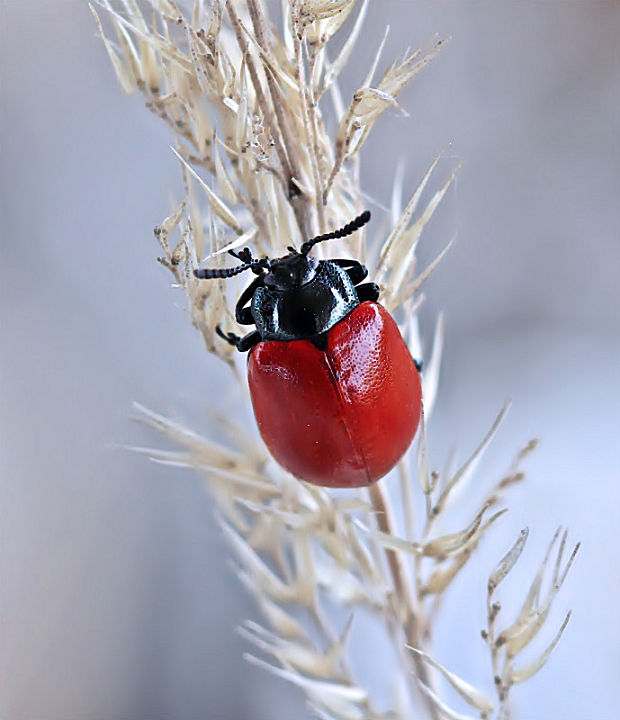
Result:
[[335, 391]]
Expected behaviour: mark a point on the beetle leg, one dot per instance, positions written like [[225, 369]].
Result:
[[247, 342], [354, 269], [230, 337], [368, 291], [243, 315], [344, 262], [320, 342], [418, 364], [243, 344]]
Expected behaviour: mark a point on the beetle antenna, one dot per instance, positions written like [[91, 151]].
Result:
[[212, 273], [255, 265], [348, 229]]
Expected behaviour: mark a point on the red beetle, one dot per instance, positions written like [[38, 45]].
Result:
[[335, 391]]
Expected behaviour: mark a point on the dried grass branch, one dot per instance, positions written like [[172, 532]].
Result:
[[247, 106]]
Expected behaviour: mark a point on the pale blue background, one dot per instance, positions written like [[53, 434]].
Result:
[[116, 598]]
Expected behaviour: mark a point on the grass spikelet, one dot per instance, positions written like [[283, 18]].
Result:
[[268, 153]]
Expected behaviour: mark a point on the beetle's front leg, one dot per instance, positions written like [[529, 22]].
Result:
[[243, 315], [354, 269]]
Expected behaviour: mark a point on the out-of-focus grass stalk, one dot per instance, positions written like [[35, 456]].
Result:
[[250, 109]]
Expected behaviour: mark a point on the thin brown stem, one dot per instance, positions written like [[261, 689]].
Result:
[[499, 677], [403, 593], [385, 523]]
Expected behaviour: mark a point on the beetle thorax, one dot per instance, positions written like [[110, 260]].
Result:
[[293, 309]]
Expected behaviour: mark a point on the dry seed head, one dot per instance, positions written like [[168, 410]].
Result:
[[249, 108]]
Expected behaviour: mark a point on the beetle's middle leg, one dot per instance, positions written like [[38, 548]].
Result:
[[368, 291]]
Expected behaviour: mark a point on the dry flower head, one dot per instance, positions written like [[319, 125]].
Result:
[[250, 108]]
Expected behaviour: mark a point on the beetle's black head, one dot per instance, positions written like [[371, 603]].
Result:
[[290, 272]]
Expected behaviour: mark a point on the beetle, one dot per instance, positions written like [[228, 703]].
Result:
[[336, 394]]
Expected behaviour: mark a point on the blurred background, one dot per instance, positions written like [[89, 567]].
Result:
[[117, 598]]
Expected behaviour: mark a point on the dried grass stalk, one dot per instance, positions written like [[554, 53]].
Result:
[[250, 108]]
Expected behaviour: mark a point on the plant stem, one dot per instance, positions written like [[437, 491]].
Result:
[[404, 595]]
